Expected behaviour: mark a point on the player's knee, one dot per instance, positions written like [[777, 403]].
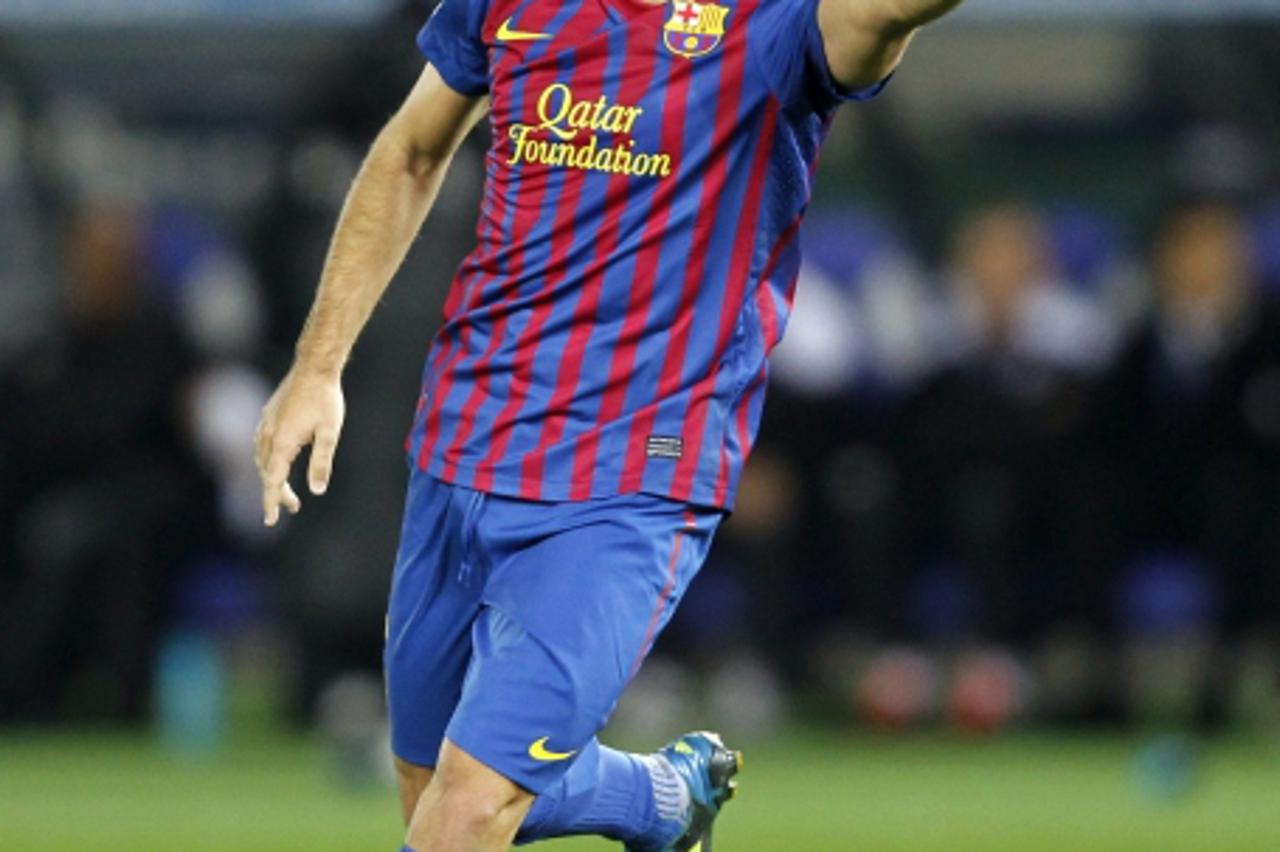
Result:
[[479, 812], [476, 811], [479, 793], [476, 796]]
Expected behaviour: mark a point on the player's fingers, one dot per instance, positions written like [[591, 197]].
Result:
[[271, 498], [275, 485], [290, 499], [321, 466]]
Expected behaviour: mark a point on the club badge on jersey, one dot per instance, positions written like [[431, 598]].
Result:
[[694, 29]]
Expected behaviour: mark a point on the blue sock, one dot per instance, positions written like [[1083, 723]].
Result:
[[636, 799]]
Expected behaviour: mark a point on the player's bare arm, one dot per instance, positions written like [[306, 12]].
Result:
[[865, 39], [384, 210]]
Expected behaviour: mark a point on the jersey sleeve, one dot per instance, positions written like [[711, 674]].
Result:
[[788, 47], [451, 41]]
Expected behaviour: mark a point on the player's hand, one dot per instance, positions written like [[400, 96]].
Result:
[[307, 408]]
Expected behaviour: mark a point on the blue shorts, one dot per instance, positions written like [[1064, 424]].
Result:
[[513, 626]]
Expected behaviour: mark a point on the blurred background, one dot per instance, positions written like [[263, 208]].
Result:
[[1005, 567]]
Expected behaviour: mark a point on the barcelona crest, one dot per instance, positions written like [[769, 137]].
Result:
[[694, 29]]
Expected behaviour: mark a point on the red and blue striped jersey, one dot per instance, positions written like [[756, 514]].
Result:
[[636, 246]]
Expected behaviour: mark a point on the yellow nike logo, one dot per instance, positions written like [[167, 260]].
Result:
[[505, 33], [538, 751]]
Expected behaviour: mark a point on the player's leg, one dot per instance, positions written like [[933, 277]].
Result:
[[428, 642], [633, 798], [667, 800], [606, 792], [516, 683], [575, 597], [467, 807], [411, 780]]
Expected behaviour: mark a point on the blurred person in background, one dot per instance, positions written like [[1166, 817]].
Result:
[[857, 344], [26, 288], [1195, 402], [1002, 418], [102, 495], [1193, 395], [1009, 310]]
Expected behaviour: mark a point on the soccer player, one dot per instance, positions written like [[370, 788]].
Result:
[[590, 399]]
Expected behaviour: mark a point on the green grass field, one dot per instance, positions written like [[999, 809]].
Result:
[[810, 791]]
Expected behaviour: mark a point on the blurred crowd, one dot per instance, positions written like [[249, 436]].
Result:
[[123, 470], [1065, 441], [1039, 460]]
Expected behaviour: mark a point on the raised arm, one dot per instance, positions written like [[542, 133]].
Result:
[[865, 39], [385, 207]]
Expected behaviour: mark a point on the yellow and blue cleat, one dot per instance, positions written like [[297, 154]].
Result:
[[707, 769]]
